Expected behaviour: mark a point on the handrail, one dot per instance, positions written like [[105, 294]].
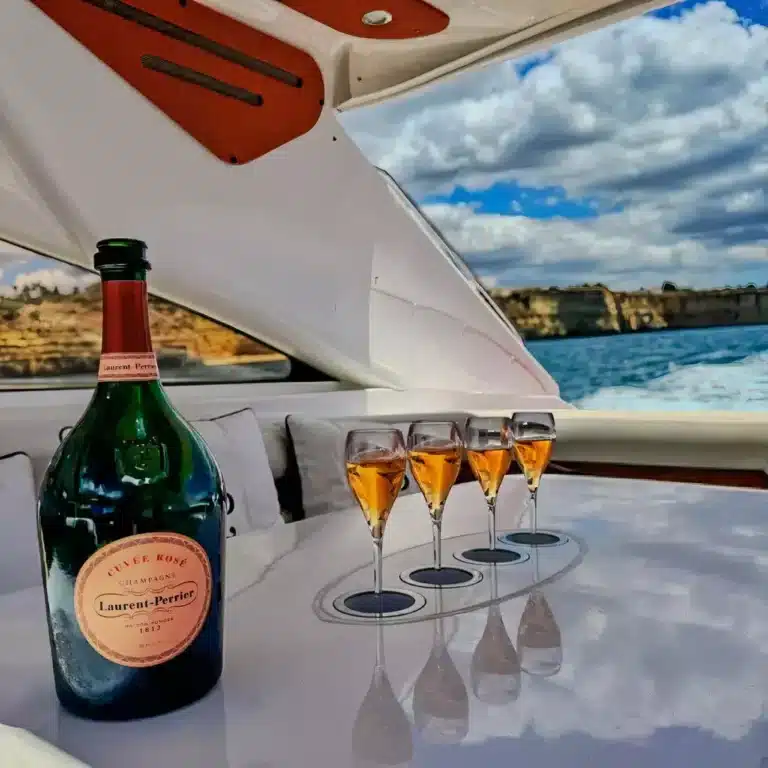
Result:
[[714, 476]]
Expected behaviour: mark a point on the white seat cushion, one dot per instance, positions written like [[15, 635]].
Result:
[[319, 448], [23, 749], [236, 442], [19, 558]]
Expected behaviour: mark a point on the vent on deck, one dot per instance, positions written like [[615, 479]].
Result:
[[199, 78], [150, 21]]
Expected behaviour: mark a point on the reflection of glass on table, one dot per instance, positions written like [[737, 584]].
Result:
[[381, 734], [539, 642], [440, 699], [495, 668]]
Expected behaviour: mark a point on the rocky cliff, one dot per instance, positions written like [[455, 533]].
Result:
[[589, 311], [44, 333]]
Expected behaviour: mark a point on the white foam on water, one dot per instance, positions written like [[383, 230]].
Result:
[[739, 386]]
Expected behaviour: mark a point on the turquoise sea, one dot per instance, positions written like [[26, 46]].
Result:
[[700, 369]]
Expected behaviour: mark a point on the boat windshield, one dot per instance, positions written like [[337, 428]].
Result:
[[444, 246]]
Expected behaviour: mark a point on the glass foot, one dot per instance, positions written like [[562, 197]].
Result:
[[531, 539], [487, 556], [441, 578], [389, 602]]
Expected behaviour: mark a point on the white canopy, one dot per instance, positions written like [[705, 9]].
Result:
[[307, 247]]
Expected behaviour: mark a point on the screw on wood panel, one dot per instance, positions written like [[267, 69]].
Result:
[[376, 18]]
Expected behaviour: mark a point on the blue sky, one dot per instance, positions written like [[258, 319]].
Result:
[[632, 155], [531, 202]]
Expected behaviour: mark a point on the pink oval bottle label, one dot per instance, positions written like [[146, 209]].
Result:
[[142, 600]]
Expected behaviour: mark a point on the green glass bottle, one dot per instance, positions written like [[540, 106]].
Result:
[[131, 526]]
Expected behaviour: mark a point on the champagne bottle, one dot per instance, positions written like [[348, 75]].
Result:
[[131, 527]]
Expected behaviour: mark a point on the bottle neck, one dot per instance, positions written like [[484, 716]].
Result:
[[126, 342], [125, 322]]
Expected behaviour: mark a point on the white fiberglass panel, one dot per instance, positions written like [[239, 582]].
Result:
[[24, 218], [292, 248]]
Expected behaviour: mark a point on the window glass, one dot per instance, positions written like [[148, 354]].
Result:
[[445, 247], [611, 193], [50, 333]]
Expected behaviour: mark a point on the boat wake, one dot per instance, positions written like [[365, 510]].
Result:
[[734, 386]]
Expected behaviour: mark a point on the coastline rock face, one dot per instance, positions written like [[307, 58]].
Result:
[[553, 312], [44, 333], [53, 334]]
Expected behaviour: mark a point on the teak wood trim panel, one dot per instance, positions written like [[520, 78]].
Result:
[[236, 90], [735, 478]]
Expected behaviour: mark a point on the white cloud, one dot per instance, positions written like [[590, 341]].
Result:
[[665, 118], [65, 279], [23, 269], [632, 247]]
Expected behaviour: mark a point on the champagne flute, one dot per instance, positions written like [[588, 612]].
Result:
[[375, 463], [489, 445], [534, 435], [434, 453]]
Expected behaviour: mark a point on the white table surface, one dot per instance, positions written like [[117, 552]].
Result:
[[664, 628]]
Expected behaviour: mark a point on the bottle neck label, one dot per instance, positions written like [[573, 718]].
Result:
[[139, 366], [126, 344]]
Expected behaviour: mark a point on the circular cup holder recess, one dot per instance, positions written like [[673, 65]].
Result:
[[488, 556], [531, 539], [389, 603], [446, 577]]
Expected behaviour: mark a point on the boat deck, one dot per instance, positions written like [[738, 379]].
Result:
[[642, 640]]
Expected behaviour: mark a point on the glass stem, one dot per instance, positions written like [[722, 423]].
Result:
[[534, 511], [437, 546], [492, 523], [378, 541]]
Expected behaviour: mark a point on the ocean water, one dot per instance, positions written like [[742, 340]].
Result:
[[688, 370]]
